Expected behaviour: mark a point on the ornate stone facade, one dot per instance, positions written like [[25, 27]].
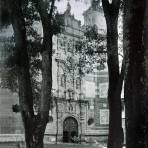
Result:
[[70, 106]]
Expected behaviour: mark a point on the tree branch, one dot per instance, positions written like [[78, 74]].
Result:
[[111, 9], [51, 9], [46, 19], [116, 3], [106, 3]]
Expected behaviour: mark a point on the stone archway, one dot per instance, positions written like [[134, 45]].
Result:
[[70, 129]]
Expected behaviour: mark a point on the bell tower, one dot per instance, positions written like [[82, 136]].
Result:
[[95, 16], [95, 4], [68, 9]]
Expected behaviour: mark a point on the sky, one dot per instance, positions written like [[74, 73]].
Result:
[[77, 7]]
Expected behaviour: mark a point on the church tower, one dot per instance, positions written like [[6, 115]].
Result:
[[95, 16], [95, 4]]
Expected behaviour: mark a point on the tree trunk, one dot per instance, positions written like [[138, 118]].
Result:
[[115, 137], [145, 64], [34, 125], [135, 95], [24, 82], [114, 93], [34, 132], [21, 54], [46, 19]]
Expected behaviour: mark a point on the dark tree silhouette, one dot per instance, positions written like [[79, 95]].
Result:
[[34, 125], [111, 12], [136, 90]]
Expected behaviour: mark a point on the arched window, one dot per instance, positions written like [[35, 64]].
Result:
[[90, 121]]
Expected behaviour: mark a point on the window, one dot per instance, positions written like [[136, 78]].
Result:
[[77, 83], [61, 43], [90, 121], [70, 108], [70, 46], [63, 79], [70, 94]]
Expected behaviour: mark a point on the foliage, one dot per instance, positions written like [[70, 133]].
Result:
[[91, 50], [4, 13], [76, 139], [9, 73], [34, 45], [91, 32]]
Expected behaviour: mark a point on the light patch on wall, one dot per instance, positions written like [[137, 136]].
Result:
[[90, 89], [103, 90]]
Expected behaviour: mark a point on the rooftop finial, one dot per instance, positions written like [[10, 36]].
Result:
[[95, 4], [68, 7]]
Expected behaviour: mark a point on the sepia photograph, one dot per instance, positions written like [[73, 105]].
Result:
[[73, 74]]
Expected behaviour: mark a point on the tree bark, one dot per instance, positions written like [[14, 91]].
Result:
[[46, 98], [135, 82], [111, 12], [34, 132], [34, 125], [46, 20], [145, 65], [24, 82]]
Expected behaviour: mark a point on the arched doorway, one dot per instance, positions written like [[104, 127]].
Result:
[[70, 129]]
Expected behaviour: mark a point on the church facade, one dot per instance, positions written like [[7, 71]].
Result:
[[76, 113], [70, 110], [75, 116]]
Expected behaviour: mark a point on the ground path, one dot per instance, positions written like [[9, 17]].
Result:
[[71, 146], [61, 145]]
